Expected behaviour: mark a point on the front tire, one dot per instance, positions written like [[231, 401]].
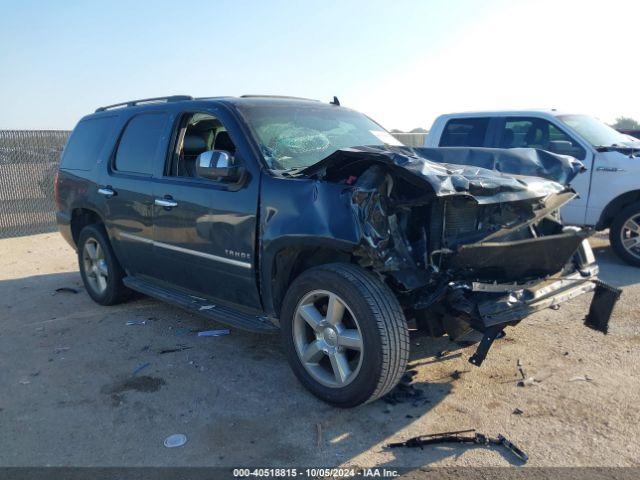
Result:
[[624, 234], [101, 273], [344, 334]]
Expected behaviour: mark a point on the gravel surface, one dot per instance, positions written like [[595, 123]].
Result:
[[70, 396]]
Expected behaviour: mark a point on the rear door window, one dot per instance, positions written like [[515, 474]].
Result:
[[139, 143], [86, 143], [465, 132]]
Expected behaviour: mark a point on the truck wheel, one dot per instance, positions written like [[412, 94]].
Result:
[[101, 273], [624, 234], [344, 334]]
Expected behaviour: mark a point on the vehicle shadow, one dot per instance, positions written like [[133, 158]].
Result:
[[408, 419], [613, 270], [76, 372]]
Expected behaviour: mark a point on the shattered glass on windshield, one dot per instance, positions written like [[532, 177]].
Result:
[[292, 138]]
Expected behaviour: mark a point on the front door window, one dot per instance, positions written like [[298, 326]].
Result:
[[524, 132]]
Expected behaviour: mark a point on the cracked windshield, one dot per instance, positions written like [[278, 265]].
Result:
[[293, 138]]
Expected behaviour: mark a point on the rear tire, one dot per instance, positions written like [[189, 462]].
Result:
[[356, 358], [101, 273], [624, 234]]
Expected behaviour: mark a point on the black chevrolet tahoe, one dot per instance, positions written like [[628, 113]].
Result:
[[277, 213]]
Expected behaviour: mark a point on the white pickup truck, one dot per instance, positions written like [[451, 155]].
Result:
[[609, 191]]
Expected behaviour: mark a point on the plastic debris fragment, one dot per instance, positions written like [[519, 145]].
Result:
[[67, 290], [214, 333], [175, 440]]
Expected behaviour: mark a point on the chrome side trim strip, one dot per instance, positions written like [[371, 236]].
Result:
[[136, 238], [167, 246], [209, 256]]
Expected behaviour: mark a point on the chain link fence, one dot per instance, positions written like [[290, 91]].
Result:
[[28, 164]]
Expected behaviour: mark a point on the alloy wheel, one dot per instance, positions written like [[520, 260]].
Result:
[[630, 235], [95, 266], [327, 338]]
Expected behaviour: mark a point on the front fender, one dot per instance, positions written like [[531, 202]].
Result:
[[301, 214]]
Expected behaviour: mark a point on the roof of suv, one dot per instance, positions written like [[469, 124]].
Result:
[[244, 99]]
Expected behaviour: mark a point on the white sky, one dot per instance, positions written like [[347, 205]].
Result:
[[574, 56], [401, 62]]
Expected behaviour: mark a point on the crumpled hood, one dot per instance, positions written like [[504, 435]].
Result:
[[489, 175]]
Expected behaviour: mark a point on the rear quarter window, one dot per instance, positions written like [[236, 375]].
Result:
[[139, 143], [86, 143], [465, 132]]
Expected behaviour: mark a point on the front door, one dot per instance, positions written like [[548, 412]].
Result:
[[534, 132], [204, 230], [614, 174]]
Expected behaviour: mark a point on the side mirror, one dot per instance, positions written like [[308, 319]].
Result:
[[217, 165], [562, 147]]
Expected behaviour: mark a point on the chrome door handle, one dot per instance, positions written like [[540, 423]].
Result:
[[165, 202], [106, 191]]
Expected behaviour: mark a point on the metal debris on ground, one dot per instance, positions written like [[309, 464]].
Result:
[[458, 437], [581, 378], [136, 322], [178, 348], [405, 392], [517, 411], [207, 307], [141, 367], [214, 333], [521, 370], [457, 374], [175, 440], [67, 290], [529, 382]]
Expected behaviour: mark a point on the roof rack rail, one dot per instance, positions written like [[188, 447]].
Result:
[[279, 96], [133, 103]]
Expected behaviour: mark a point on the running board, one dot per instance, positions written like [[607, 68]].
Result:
[[219, 313]]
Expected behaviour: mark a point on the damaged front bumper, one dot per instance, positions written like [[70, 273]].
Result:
[[494, 315], [520, 303], [490, 307]]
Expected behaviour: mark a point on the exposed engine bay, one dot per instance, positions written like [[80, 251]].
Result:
[[469, 239]]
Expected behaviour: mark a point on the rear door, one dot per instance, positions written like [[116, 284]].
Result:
[[127, 187], [204, 231], [467, 132]]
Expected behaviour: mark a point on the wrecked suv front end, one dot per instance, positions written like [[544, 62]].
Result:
[[469, 239]]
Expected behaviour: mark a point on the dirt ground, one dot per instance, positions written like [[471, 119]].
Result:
[[81, 387]]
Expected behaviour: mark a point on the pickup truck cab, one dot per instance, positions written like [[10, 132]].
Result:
[[290, 214], [609, 191]]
